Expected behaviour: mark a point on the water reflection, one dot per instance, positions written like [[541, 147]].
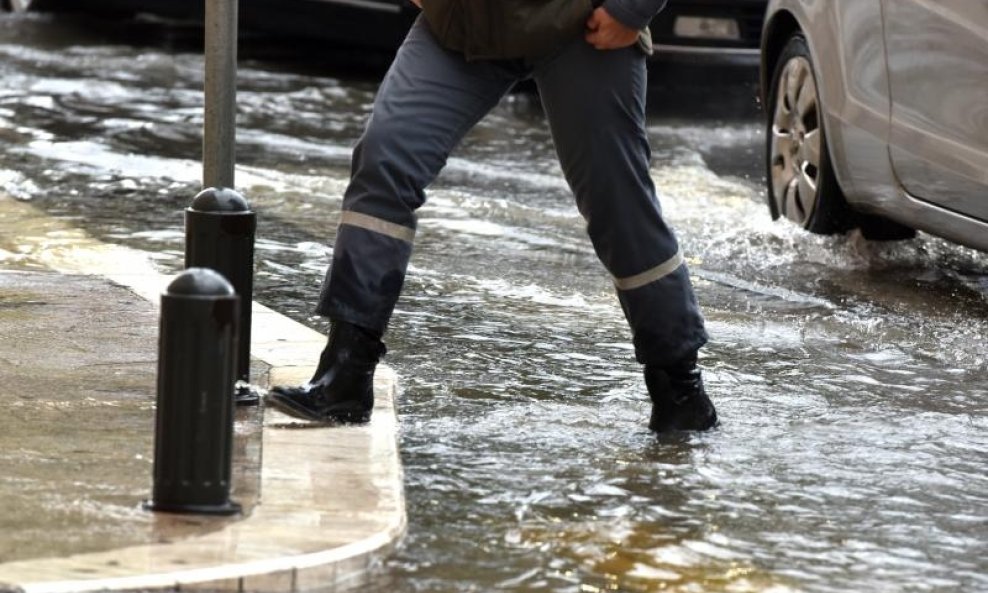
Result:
[[850, 376]]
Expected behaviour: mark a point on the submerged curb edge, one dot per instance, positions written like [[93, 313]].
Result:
[[332, 502]]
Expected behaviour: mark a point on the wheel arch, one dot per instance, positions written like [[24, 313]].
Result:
[[775, 35]]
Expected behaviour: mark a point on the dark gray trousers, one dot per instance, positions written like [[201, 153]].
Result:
[[595, 103]]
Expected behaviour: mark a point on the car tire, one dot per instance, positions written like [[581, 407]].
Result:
[[801, 182], [878, 228]]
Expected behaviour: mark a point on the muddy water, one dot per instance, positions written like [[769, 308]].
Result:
[[850, 378]]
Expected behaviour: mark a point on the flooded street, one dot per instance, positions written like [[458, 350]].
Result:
[[851, 378]]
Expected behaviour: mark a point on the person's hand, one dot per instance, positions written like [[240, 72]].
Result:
[[606, 32], [417, 3]]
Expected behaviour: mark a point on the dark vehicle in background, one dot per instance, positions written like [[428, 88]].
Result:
[[358, 24], [709, 31], [687, 32], [878, 116], [707, 55]]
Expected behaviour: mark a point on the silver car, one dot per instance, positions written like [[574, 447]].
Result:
[[878, 116]]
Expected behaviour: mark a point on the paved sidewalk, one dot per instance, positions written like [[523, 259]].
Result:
[[77, 379]]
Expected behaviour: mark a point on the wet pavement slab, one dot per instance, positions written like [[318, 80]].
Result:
[[78, 366], [78, 362]]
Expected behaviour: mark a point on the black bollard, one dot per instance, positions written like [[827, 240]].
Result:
[[219, 234], [193, 438]]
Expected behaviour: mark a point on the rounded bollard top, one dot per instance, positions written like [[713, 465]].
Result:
[[220, 199], [200, 282]]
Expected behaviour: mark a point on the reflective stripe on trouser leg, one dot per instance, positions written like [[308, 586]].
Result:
[[595, 103], [652, 275]]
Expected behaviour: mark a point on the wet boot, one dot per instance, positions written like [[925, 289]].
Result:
[[679, 400], [342, 389]]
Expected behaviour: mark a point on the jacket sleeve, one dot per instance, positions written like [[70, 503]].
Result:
[[634, 13]]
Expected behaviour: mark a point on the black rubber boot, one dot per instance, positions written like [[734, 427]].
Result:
[[342, 389], [679, 400]]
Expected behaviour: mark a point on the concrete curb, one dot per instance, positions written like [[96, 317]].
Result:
[[332, 502]]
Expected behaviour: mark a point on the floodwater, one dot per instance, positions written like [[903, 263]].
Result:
[[850, 377]]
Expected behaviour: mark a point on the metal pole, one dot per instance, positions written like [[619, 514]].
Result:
[[218, 169], [219, 131]]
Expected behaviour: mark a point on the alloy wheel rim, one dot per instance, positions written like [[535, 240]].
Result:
[[796, 142]]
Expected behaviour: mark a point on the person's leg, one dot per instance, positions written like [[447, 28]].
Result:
[[427, 102], [595, 103]]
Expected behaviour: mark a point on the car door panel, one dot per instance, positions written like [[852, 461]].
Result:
[[938, 79], [851, 55]]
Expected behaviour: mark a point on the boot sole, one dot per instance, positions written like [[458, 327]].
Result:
[[684, 426], [289, 407]]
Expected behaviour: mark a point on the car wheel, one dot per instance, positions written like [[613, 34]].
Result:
[[802, 185]]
